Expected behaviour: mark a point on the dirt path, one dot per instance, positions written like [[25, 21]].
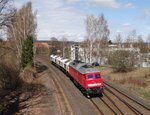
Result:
[[49, 101]]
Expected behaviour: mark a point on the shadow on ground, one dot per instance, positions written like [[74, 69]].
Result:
[[40, 68], [26, 94]]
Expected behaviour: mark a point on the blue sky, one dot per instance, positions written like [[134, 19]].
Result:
[[65, 18]]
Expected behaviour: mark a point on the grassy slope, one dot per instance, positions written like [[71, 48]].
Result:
[[137, 80]]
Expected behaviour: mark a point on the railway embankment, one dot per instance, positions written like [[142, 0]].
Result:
[[14, 100], [35, 94], [127, 92], [137, 81]]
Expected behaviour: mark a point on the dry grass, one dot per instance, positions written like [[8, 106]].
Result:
[[138, 80], [24, 90], [21, 84], [9, 71]]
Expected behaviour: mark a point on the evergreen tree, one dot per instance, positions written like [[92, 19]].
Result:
[[27, 52]]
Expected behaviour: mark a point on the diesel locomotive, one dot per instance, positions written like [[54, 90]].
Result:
[[87, 78]]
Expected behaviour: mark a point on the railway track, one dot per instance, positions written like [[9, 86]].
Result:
[[116, 102], [131, 103], [64, 107], [96, 106], [68, 109], [105, 106], [111, 103]]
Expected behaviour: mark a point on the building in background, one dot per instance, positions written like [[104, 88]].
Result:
[[41, 48], [78, 52]]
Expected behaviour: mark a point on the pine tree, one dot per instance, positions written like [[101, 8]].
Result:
[[27, 52]]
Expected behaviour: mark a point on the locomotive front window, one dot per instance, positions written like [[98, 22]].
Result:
[[90, 76], [97, 76]]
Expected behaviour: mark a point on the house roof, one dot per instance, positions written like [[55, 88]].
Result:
[[41, 44]]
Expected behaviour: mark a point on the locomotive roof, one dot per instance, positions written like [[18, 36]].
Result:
[[83, 67]]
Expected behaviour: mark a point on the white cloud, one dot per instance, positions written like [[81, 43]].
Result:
[[112, 4], [147, 11], [64, 34], [145, 16], [118, 31], [129, 5], [104, 3], [148, 28], [71, 1], [126, 25], [55, 19]]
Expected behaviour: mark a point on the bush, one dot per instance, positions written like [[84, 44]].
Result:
[[9, 79], [122, 61]]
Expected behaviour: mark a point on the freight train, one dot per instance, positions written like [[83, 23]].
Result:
[[87, 78]]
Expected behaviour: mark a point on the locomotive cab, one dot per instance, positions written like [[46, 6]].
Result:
[[94, 83], [93, 80]]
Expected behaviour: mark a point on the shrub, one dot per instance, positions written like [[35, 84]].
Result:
[[122, 61], [9, 79]]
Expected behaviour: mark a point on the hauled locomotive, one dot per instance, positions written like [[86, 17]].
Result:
[[87, 78]]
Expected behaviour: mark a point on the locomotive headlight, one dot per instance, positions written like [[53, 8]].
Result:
[[95, 84]]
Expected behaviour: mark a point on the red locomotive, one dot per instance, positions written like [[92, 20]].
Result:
[[87, 78]]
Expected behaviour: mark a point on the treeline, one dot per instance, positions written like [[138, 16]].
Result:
[[96, 46], [97, 42], [61, 47]]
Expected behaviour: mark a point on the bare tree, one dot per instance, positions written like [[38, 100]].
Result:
[[130, 40], [64, 46], [124, 60], [7, 11], [3, 15], [148, 41], [140, 41], [97, 36], [86, 50], [22, 25], [102, 31], [90, 29], [143, 46], [3, 4], [54, 44], [118, 39], [102, 35]]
